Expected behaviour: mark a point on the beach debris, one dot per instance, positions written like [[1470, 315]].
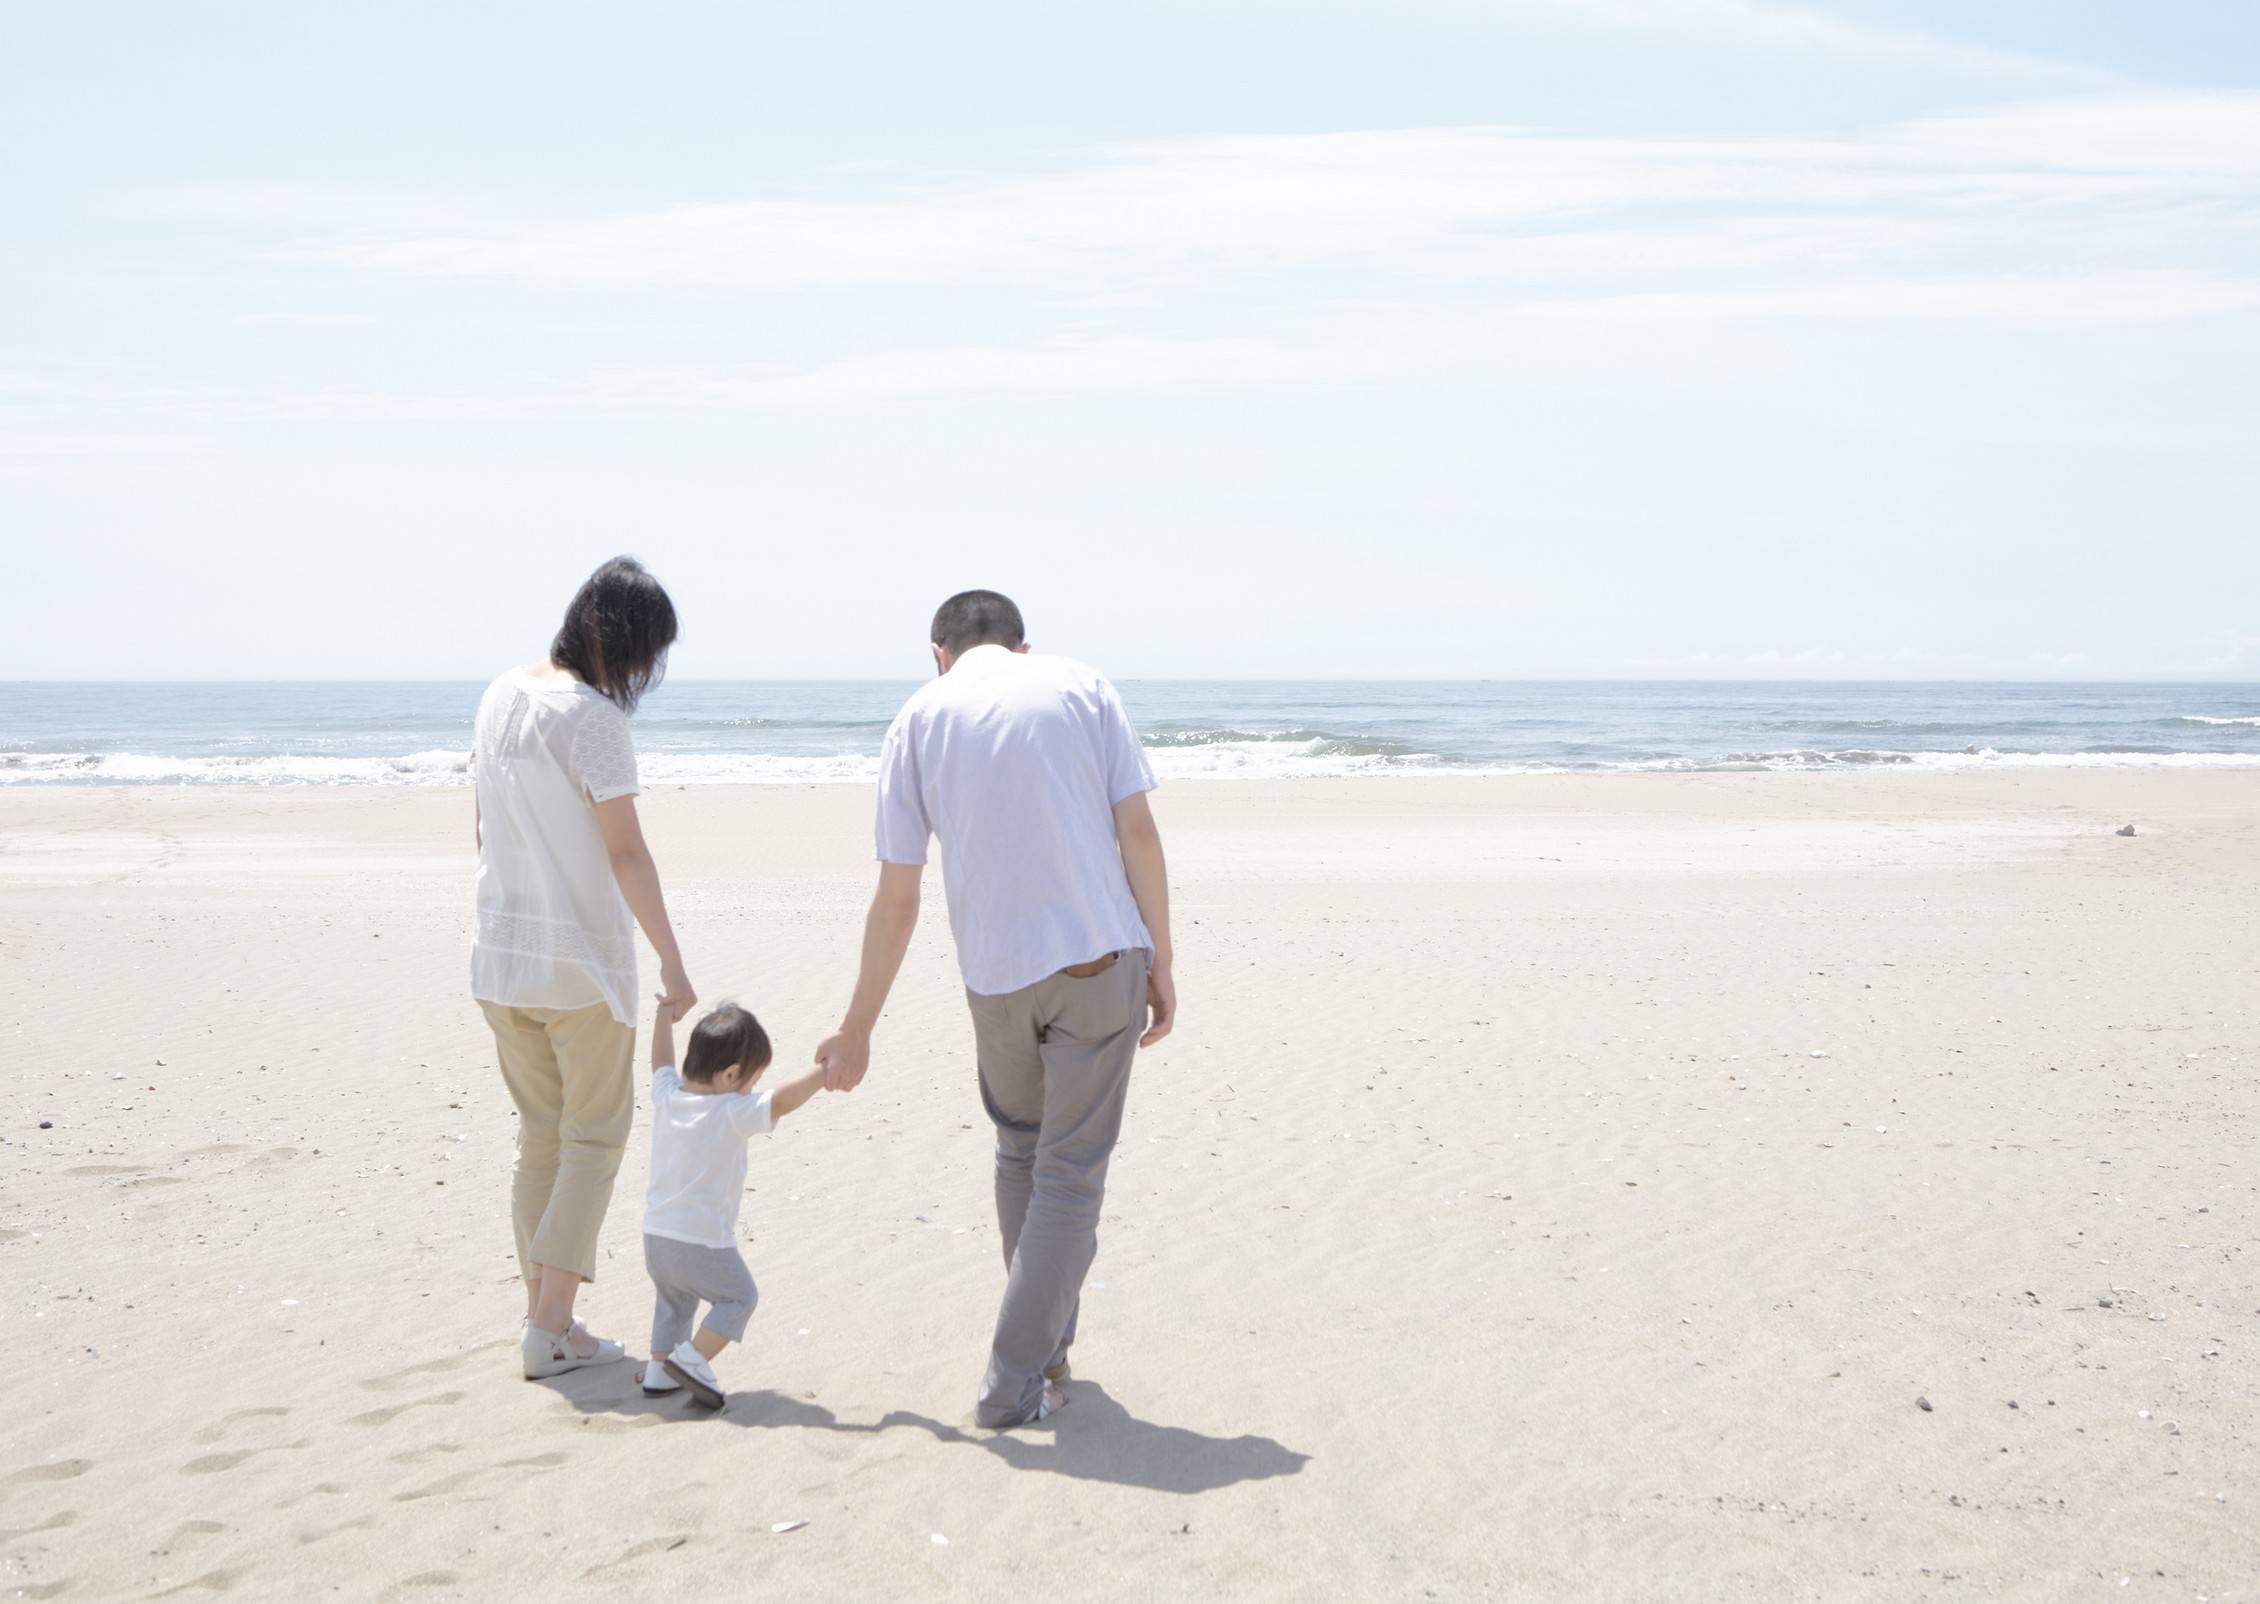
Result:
[[940, 1541], [2103, 1303], [1816, 1053], [2126, 829], [788, 1525], [1923, 1404], [46, 1124]]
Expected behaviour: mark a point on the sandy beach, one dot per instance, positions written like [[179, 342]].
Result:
[[1634, 1187]]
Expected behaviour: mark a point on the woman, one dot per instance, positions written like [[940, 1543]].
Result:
[[562, 867]]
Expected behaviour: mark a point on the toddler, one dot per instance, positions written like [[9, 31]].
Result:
[[701, 1119]]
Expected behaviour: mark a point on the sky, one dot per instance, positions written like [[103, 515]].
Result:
[[1529, 338]]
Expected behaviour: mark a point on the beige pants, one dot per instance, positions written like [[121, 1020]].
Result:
[[1055, 1071], [571, 1073]]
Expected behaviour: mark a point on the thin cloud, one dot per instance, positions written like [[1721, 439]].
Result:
[[1452, 202], [1803, 30]]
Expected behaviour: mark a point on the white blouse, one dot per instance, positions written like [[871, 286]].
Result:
[[553, 929]]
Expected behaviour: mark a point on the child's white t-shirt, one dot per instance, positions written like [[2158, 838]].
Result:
[[698, 1142]]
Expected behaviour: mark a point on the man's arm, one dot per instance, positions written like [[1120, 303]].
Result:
[[795, 1092], [1142, 860], [662, 1034], [845, 1055]]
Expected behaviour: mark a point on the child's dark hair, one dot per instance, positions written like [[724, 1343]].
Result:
[[729, 1035]]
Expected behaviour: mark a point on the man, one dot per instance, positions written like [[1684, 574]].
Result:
[[1027, 769]]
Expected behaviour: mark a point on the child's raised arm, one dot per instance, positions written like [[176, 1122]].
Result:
[[662, 1034], [784, 1099]]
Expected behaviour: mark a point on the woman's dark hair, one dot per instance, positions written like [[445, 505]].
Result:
[[616, 633], [729, 1035]]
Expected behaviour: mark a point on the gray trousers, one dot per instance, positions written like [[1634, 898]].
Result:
[[686, 1274], [1055, 1069]]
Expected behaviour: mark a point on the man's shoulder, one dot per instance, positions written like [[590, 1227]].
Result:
[[920, 703], [1066, 673]]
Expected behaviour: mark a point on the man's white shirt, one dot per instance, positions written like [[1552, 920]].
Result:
[[1014, 762]]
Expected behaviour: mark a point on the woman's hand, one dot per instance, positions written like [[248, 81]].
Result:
[[675, 991]]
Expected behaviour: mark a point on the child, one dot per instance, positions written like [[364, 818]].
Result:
[[700, 1121]]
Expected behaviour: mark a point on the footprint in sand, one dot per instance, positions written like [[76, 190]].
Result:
[[379, 1417], [46, 1589], [448, 1484], [431, 1579], [612, 1425], [321, 1489], [209, 1582], [355, 1524], [211, 1463], [53, 1523], [219, 1428], [651, 1545], [60, 1470], [187, 1531], [108, 1169], [401, 1378], [435, 1450]]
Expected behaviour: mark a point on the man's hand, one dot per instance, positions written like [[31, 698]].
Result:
[[1161, 1000], [843, 1057]]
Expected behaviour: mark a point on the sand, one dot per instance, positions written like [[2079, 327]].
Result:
[[1558, 1187]]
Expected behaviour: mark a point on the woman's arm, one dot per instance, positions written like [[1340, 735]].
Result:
[[638, 878]]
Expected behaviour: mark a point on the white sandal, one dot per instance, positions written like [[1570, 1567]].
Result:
[[550, 1353]]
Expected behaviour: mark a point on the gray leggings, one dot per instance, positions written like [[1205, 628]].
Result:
[[687, 1274]]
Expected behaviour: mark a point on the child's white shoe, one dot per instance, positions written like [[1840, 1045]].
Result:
[[657, 1383], [688, 1366]]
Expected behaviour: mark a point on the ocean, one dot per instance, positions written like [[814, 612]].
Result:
[[700, 732]]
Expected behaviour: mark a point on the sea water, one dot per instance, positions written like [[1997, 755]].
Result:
[[417, 733]]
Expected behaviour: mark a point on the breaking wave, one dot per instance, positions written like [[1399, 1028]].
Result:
[[1224, 754]]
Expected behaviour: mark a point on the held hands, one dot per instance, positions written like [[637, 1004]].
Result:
[[1161, 1000], [675, 991], [663, 1011], [844, 1057]]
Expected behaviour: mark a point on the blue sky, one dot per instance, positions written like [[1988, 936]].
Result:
[[1531, 338]]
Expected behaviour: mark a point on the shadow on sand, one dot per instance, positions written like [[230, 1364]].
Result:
[[1095, 1439]]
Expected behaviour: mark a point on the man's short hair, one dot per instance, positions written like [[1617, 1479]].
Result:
[[977, 618]]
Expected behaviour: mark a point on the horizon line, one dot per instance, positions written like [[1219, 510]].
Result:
[[1219, 679]]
